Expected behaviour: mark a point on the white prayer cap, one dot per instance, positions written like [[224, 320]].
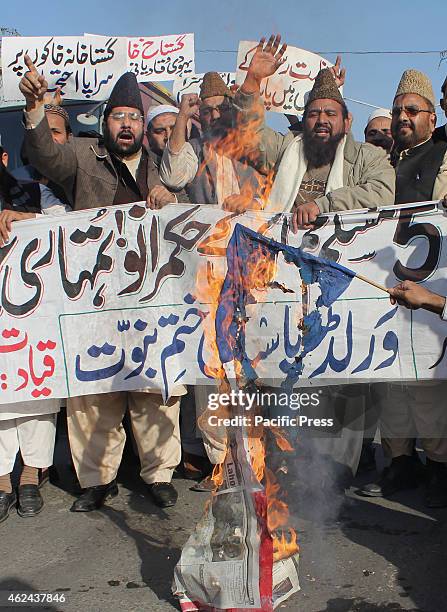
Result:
[[161, 109], [379, 112]]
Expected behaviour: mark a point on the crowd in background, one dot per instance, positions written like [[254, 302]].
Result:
[[237, 163]]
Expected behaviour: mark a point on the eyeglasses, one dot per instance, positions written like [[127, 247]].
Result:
[[225, 107], [121, 115], [411, 111]]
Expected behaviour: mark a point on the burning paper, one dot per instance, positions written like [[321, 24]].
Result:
[[234, 560], [243, 554]]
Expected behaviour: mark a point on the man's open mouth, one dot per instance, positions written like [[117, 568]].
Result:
[[322, 131], [125, 137]]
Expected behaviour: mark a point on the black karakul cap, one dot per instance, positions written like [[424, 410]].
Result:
[[125, 93]]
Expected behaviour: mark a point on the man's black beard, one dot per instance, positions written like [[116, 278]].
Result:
[[214, 134], [407, 142], [219, 130], [113, 147], [318, 152], [416, 137]]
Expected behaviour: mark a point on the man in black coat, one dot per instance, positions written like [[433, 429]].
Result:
[[414, 410]]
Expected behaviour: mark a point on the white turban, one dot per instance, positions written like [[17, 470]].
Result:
[[379, 112], [161, 109]]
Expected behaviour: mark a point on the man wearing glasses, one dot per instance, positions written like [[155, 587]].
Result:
[[208, 167], [111, 170], [114, 170], [420, 162], [414, 410]]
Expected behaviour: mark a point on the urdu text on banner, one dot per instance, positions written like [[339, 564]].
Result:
[[87, 67], [125, 298], [159, 58], [84, 68]]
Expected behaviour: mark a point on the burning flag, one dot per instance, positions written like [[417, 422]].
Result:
[[248, 249], [244, 554]]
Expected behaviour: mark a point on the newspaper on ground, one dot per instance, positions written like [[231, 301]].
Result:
[[227, 563]]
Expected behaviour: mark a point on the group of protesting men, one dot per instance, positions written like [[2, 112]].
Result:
[[317, 168]]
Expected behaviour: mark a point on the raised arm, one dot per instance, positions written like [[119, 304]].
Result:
[[179, 163], [54, 161], [338, 72], [264, 63], [33, 86], [268, 145], [189, 106]]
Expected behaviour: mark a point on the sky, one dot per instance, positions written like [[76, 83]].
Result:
[[325, 27]]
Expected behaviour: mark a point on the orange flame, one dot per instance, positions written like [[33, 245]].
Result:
[[256, 447], [284, 546], [281, 440], [218, 475], [284, 537], [278, 519], [242, 144], [208, 288]]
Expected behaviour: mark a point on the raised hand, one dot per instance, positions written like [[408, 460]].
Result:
[[265, 62], [267, 58], [338, 72], [33, 85], [189, 105], [53, 98]]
